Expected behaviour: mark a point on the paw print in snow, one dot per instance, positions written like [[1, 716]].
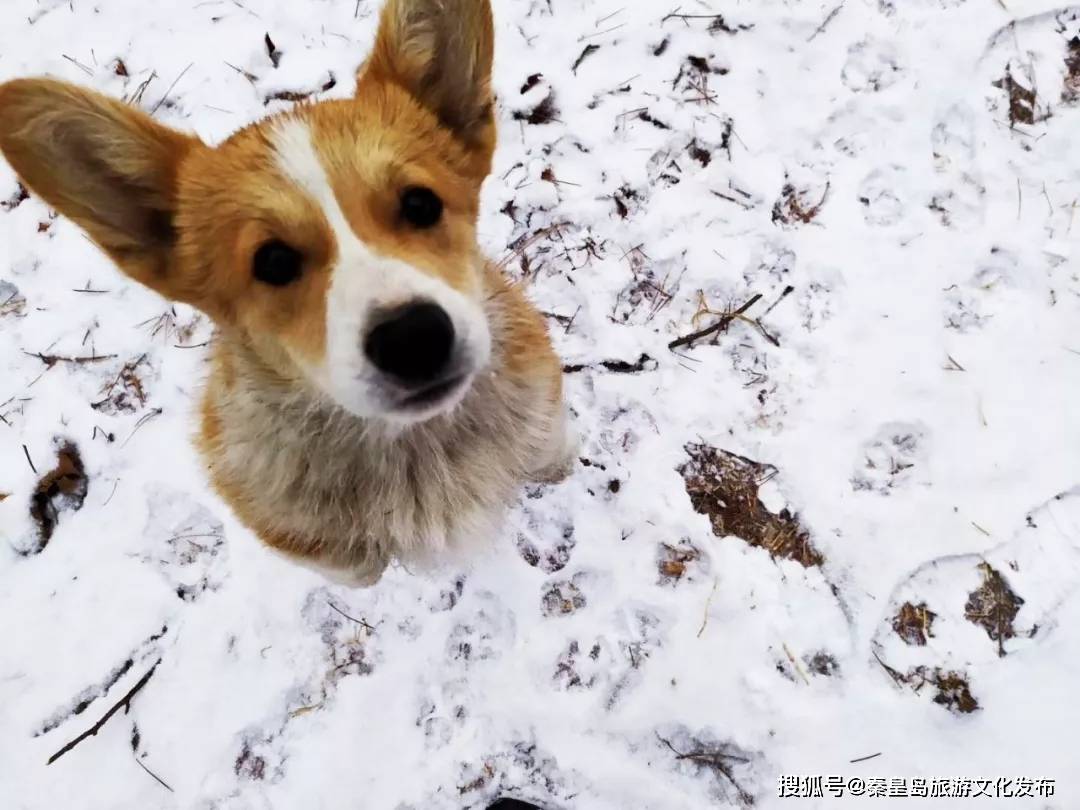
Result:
[[774, 265], [348, 636], [879, 196], [872, 66], [815, 305], [258, 759], [970, 305], [678, 563], [582, 666], [482, 633], [801, 200], [186, 541], [563, 597], [953, 139], [962, 205], [891, 459], [440, 726], [964, 613], [546, 539], [729, 770]]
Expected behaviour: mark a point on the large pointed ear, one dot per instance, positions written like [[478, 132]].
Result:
[[108, 167], [440, 51]]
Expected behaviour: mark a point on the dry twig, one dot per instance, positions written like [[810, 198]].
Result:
[[124, 703], [719, 326]]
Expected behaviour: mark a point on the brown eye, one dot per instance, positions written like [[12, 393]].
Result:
[[421, 207], [277, 264]]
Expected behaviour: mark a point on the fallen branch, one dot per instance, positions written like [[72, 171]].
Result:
[[644, 363], [30, 461], [821, 28], [719, 326], [176, 81], [155, 777], [865, 759], [717, 20], [51, 360], [124, 703], [370, 628], [713, 759]]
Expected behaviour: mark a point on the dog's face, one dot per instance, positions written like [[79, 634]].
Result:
[[336, 241]]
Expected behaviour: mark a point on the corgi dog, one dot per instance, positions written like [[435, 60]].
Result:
[[377, 389]]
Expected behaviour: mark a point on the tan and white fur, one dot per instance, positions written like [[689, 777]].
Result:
[[320, 452]]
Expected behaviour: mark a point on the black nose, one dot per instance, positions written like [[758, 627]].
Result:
[[412, 343]]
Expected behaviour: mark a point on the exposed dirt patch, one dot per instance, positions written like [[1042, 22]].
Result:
[[1070, 92], [954, 691], [914, 623], [20, 196], [531, 82], [63, 489], [543, 113], [797, 206], [821, 663], [674, 562], [1023, 101], [724, 487], [993, 606], [699, 153], [953, 688]]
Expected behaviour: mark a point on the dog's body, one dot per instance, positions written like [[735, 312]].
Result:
[[378, 390]]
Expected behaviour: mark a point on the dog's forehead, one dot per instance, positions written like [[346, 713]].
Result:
[[375, 143], [327, 179]]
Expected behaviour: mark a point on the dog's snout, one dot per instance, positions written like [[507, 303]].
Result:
[[413, 343]]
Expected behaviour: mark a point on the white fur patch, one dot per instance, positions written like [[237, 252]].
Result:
[[364, 282]]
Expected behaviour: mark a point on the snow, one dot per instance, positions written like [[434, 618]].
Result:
[[918, 417]]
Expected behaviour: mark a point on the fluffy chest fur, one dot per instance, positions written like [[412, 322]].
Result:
[[350, 495]]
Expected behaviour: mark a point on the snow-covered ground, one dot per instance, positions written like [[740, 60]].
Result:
[[847, 529]]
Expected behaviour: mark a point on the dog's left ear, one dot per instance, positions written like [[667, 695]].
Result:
[[110, 168], [440, 51]]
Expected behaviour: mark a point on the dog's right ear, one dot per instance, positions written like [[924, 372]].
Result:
[[108, 167], [440, 52]]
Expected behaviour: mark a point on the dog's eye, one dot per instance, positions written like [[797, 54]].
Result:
[[421, 207], [277, 264]]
